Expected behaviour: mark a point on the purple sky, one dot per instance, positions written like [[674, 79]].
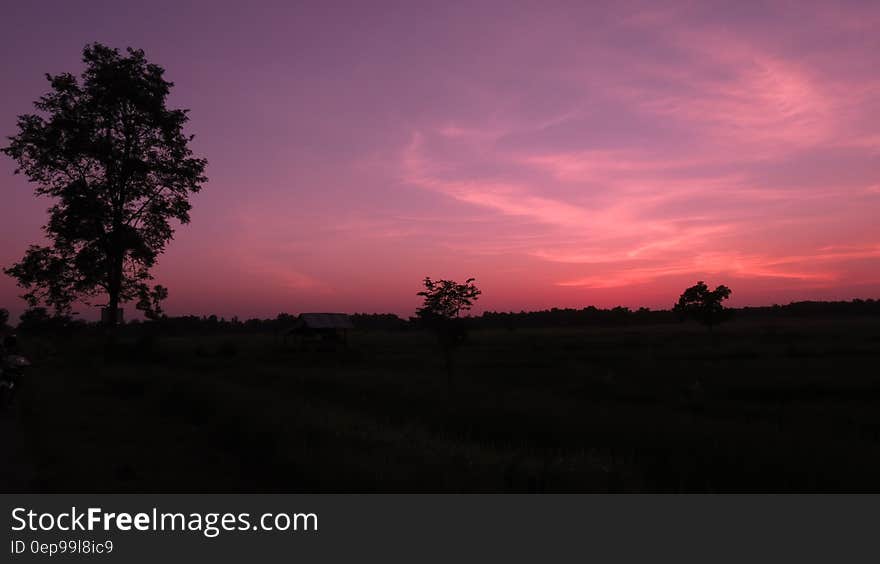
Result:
[[565, 154]]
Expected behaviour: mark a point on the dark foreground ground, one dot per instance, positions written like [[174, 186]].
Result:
[[778, 406]]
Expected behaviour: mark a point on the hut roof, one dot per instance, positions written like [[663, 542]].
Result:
[[325, 321]]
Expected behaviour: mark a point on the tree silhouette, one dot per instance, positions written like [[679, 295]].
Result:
[[4, 317], [698, 302], [444, 301], [119, 168]]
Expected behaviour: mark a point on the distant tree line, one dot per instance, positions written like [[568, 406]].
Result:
[[855, 307], [39, 319], [618, 316]]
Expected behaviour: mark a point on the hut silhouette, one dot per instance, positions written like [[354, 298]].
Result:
[[320, 328]]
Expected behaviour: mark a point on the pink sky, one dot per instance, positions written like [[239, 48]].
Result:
[[564, 154]]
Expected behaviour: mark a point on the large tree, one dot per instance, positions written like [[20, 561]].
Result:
[[118, 166]]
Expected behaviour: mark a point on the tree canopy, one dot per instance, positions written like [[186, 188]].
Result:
[[702, 304], [447, 299], [118, 166]]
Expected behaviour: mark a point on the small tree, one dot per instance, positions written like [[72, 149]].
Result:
[[698, 302], [118, 166], [444, 302], [446, 299]]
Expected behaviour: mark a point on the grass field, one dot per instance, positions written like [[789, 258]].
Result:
[[776, 406]]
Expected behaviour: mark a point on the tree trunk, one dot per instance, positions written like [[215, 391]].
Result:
[[113, 309], [450, 373], [713, 338], [114, 291]]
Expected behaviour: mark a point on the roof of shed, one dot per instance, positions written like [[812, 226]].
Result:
[[326, 320]]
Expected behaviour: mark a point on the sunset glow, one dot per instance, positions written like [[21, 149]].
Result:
[[603, 155]]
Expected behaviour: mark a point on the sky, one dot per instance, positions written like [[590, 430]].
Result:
[[564, 154]]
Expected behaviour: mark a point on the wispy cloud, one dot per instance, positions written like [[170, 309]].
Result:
[[634, 214]]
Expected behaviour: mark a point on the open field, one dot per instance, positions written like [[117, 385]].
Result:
[[788, 405]]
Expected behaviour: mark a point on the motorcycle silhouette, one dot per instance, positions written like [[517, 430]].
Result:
[[12, 369]]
